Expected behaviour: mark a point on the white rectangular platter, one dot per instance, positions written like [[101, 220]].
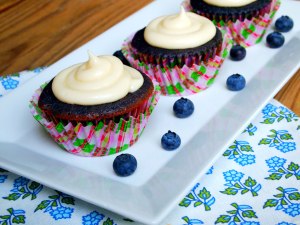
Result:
[[162, 178]]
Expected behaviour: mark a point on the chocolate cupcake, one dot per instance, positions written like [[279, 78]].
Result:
[[246, 21], [183, 52], [96, 108]]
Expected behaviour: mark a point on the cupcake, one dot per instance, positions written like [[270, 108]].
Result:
[[95, 108], [245, 21], [182, 52]]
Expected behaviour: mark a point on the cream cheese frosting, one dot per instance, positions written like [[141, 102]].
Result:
[[102, 79], [229, 3], [179, 31]]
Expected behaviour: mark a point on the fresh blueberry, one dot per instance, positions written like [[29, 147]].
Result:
[[235, 82], [124, 165], [284, 24], [183, 108], [237, 53], [170, 141], [120, 55], [275, 39]]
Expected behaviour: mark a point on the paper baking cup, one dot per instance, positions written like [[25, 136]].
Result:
[[246, 32], [176, 80], [95, 139]]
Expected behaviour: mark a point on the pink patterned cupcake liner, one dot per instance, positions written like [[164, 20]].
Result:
[[180, 81], [101, 138], [246, 32]]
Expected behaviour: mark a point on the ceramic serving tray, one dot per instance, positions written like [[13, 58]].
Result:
[[162, 178]]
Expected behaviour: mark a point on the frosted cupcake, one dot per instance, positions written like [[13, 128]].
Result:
[[183, 52], [95, 108], [246, 20]]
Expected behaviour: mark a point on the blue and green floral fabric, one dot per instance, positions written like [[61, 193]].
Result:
[[256, 181]]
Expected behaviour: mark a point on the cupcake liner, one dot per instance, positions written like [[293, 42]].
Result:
[[187, 79], [101, 138], [243, 31]]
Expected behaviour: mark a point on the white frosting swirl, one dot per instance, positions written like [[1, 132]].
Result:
[[101, 79], [229, 3], [179, 31]]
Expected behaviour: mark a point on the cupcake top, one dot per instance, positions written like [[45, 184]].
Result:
[[231, 10], [102, 79], [229, 3], [179, 31]]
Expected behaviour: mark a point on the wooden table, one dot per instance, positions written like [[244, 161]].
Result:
[[38, 33]]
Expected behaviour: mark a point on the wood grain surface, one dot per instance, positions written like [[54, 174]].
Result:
[[38, 33]]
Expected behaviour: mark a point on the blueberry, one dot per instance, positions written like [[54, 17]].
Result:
[[124, 165], [275, 39], [235, 82], [237, 53], [170, 141], [120, 55], [284, 24], [183, 108]]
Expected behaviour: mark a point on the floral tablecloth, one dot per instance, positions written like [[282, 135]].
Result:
[[256, 181]]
